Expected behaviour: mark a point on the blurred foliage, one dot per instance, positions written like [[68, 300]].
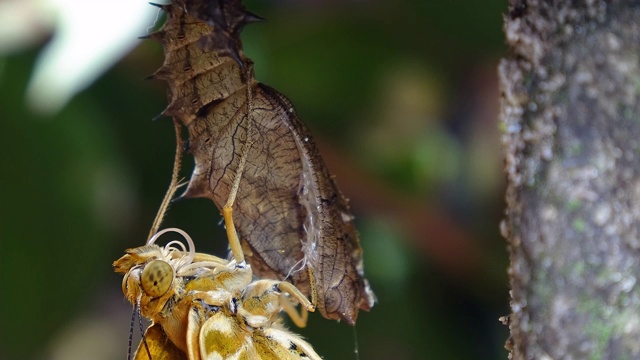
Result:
[[402, 92]]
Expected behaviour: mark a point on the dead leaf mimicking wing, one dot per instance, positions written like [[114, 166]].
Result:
[[289, 213]]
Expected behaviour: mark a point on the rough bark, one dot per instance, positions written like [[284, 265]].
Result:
[[571, 120]]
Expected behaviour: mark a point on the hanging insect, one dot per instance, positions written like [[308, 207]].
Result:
[[292, 220], [204, 307]]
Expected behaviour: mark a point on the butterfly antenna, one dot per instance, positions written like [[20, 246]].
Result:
[[191, 251], [133, 320], [144, 338], [175, 183]]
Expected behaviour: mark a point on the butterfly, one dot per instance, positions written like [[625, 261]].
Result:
[[205, 307]]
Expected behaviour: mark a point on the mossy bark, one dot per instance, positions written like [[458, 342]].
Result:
[[571, 121]]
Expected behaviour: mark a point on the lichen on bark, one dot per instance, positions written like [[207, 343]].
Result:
[[571, 120]]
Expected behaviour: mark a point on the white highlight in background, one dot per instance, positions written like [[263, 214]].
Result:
[[90, 36]]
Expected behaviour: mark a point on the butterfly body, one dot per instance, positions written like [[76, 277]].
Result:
[[208, 308]]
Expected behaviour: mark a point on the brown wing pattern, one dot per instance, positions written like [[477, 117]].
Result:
[[289, 213]]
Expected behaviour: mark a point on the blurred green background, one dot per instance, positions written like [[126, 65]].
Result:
[[402, 99]]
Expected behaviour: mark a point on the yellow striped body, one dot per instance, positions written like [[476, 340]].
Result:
[[211, 310]]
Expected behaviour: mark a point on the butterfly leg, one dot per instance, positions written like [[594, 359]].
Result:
[[263, 299], [227, 210], [289, 288], [298, 317], [232, 235]]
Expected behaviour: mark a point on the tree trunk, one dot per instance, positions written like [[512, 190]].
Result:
[[571, 119]]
